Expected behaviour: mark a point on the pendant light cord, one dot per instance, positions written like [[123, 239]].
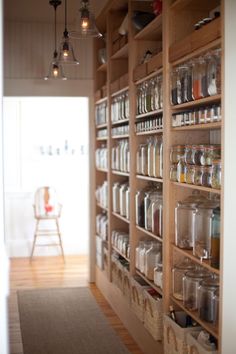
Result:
[[55, 31], [66, 32]]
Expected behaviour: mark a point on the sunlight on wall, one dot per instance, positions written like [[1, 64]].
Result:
[[46, 143]]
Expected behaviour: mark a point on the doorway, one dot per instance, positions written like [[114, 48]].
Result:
[[46, 143]]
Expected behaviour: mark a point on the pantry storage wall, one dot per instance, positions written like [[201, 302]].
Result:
[[158, 153]]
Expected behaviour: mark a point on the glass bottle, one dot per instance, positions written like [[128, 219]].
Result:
[[216, 305], [178, 272], [122, 193], [144, 159], [158, 273], [191, 282], [127, 203], [173, 173]]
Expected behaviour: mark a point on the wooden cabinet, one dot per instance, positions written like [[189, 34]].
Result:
[[173, 40]]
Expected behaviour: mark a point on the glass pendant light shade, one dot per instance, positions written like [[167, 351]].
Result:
[[87, 25], [55, 70], [66, 51]]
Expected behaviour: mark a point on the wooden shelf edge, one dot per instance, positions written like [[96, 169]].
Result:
[[102, 170], [148, 114], [124, 136], [120, 217], [151, 283], [101, 100], [200, 188], [158, 238], [102, 207], [101, 138], [147, 178], [124, 89], [102, 67], [120, 122], [151, 132], [215, 125], [149, 76], [122, 53], [119, 173], [200, 102], [188, 253], [120, 253], [100, 126]]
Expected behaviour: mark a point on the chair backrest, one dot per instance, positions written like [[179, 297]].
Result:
[[45, 202]]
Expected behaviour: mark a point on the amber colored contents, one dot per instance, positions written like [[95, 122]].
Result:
[[197, 89]]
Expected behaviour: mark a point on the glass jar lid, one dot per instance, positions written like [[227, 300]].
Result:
[[198, 274]]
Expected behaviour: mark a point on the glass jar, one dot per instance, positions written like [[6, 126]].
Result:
[[150, 154], [216, 306], [174, 85], [198, 173], [152, 258], [188, 155], [142, 255], [144, 159], [199, 75], [181, 171], [197, 152], [160, 90], [157, 219], [206, 292], [178, 272], [182, 87], [203, 230], [127, 202], [206, 176], [122, 193], [137, 253], [150, 198], [214, 72], [158, 273], [191, 282], [176, 152], [189, 86], [210, 153], [158, 158], [216, 174], [190, 170], [139, 208], [116, 197], [173, 173]]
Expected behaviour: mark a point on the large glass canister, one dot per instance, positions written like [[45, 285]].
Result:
[[139, 208], [174, 86], [182, 87], [157, 216], [184, 224], [176, 152], [123, 189], [215, 239], [206, 292], [127, 202], [158, 158], [203, 230], [142, 255], [199, 75], [191, 282], [152, 258], [214, 72], [149, 199], [138, 249], [144, 159], [116, 197], [178, 272]]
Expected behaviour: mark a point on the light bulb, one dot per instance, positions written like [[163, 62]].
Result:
[[84, 23], [55, 70]]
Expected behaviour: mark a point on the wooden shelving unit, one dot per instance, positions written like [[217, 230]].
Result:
[[180, 43]]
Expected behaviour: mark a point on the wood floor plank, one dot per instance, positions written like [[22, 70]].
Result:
[[49, 272]]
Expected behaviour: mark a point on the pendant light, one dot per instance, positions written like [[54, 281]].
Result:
[[87, 25], [55, 68], [66, 53]]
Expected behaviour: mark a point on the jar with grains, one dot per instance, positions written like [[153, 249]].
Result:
[[181, 171], [190, 170], [206, 176], [198, 172], [188, 155], [210, 153], [176, 152], [216, 174], [173, 173]]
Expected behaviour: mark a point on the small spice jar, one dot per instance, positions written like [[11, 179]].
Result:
[[216, 174]]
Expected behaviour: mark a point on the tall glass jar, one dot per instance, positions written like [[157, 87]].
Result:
[[214, 72], [191, 282], [174, 86], [152, 258], [142, 255], [178, 272], [123, 189], [139, 208], [216, 174], [181, 170], [158, 158], [149, 199], [116, 197], [206, 292], [215, 239], [150, 154], [138, 249], [144, 159], [157, 218]]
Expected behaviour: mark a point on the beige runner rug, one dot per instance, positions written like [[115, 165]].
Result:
[[65, 321]]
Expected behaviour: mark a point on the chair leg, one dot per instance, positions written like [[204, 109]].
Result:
[[60, 241], [34, 242]]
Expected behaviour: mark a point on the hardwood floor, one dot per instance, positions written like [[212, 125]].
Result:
[[49, 272]]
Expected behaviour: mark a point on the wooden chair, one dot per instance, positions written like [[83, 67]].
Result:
[[47, 211]]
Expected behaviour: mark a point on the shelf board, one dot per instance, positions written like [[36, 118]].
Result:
[[200, 188], [119, 122], [100, 126], [148, 233], [101, 100], [122, 136], [102, 207], [153, 31], [150, 132], [120, 217], [100, 138], [149, 76], [102, 67], [102, 170], [117, 93], [120, 253], [154, 286], [206, 325], [205, 263], [122, 53], [214, 125], [148, 114], [147, 178], [120, 173], [200, 102]]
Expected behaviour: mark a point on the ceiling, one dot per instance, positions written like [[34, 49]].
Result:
[[41, 11]]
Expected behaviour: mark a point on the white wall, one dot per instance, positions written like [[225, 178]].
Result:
[[32, 123]]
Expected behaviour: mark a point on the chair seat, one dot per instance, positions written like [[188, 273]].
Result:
[[46, 217]]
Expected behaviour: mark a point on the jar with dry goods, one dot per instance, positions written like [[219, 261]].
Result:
[[176, 152], [178, 272], [216, 174], [206, 292]]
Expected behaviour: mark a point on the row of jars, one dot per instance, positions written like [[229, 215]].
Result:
[[120, 156], [121, 199], [195, 154], [149, 209], [120, 107], [149, 158], [197, 227], [102, 225], [120, 130], [102, 133], [101, 157], [102, 194], [198, 78], [150, 95], [101, 114], [120, 240], [201, 115], [205, 176], [150, 124], [197, 288], [148, 256]]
